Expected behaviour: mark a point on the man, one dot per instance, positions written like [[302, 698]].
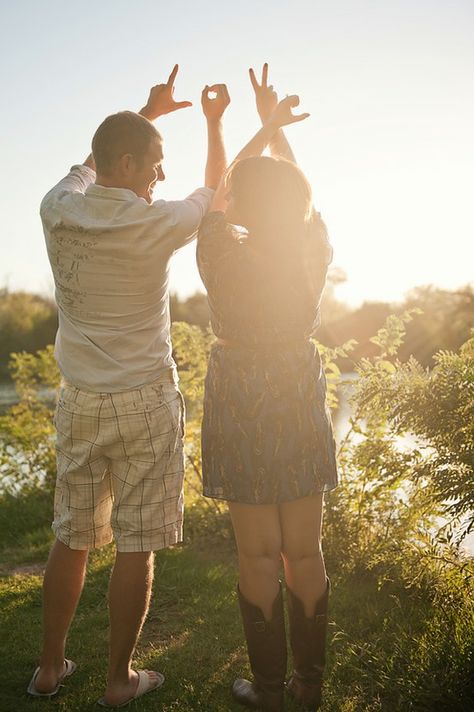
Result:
[[120, 415]]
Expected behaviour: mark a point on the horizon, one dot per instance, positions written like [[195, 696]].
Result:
[[352, 305]]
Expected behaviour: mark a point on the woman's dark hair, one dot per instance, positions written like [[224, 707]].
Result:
[[121, 133]]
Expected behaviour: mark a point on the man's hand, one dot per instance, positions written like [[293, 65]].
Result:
[[161, 99], [214, 108], [282, 115], [265, 96]]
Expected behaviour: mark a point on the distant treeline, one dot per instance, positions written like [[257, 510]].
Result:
[[28, 322], [444, 323]]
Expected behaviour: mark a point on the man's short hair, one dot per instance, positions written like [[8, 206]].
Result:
[[121, 133]]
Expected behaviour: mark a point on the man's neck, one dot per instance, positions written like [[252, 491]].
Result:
[[110, 182]]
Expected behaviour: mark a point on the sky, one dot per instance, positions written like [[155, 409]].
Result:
[[388, 148]]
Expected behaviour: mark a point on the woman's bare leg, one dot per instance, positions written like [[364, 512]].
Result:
[[258, 537], [305, 572]]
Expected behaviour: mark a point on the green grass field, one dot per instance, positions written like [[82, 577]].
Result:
[[390, 648]]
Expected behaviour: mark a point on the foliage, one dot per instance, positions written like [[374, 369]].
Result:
[[191, 347], [27, 455], [448, 317], [28, 322], [329, 358], [444, 323], [407, 459], [435, 408], [193, 310]]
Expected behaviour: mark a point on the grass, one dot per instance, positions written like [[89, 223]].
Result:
[[391, 648]]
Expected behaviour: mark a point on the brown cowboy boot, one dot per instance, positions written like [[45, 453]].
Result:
[[308, 643], [266, 645]]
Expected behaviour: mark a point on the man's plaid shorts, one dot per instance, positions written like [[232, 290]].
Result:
[[120, 467]]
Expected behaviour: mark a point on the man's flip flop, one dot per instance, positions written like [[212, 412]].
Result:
[[31, 689], [144, 686]]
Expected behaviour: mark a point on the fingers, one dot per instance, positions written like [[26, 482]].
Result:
[[253, 79], [299, 117], [284, 114], [217, 87], [172, 76], [292, 100], [223, 92], [220, 90], [182, 104]]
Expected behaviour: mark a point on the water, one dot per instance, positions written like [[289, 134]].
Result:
[[7, 396]]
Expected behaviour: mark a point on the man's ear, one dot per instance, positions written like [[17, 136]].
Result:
[[126, 164]]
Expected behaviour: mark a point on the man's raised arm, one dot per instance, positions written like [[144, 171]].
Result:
[[213, 109], [160, 102]]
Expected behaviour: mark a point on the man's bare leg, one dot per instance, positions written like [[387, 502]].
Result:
[[62, 587], [129, 598]]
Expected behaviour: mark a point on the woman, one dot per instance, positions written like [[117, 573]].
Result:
[[267, 443]]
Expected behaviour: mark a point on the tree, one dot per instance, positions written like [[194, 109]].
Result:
[[28, 322]]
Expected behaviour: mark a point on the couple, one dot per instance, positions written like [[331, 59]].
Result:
[[267, 444]]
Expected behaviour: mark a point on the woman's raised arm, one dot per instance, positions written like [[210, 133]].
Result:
[[281, 116], [266, 100]]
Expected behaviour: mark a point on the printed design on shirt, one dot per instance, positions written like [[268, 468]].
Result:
[[69, 248]]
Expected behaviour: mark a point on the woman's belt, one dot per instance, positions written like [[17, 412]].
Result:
[[263, 346]]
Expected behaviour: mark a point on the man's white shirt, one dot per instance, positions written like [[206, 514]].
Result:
[[110, 251]]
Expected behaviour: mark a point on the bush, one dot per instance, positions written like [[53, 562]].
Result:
[[28, 322], [27, 454]]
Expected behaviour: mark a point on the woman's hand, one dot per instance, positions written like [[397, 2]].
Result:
[[161, 99], [214, 108], [282, 116], [266, 97]]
